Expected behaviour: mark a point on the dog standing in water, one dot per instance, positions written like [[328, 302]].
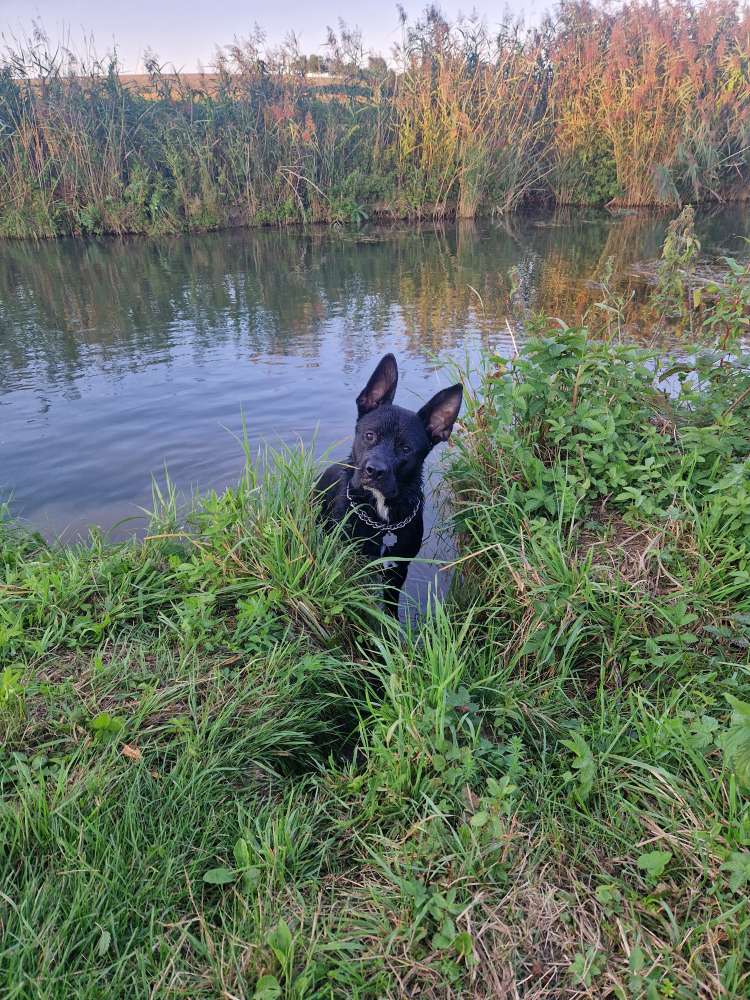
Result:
[[379, 488]]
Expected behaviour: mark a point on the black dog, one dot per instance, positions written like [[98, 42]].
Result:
[[379, 488]]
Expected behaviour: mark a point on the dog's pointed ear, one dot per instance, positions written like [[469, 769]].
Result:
[[439, 415], [381, 388]]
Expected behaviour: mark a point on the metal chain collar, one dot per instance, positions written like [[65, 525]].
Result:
[[382, 525]]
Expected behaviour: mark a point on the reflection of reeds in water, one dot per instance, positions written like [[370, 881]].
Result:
[[274, 293], [560, 291], [569, 282]]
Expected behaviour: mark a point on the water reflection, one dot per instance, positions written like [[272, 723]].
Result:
[[118, 356]]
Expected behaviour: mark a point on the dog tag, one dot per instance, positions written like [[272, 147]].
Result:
[[389, 539]]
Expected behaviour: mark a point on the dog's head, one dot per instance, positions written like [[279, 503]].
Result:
[[390, 442]]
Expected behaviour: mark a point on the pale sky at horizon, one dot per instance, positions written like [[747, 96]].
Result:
[[186, 34]]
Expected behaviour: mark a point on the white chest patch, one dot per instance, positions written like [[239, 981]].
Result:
[[379, 503]]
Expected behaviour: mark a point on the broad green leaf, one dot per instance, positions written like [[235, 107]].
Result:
[[102, 947], [479, 819], [219, 876], [242, 853], [267, 988], [280, 939], [654, 863]]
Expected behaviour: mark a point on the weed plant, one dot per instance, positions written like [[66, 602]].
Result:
[[603, 500]]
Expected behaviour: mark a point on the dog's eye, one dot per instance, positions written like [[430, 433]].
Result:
[[369, 435], [404, 449]]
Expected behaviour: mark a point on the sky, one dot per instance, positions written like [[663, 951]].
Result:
[[185, 34]]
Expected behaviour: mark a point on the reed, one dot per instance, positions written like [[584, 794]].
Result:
[[648, 104], [470, 128], [651, 101]]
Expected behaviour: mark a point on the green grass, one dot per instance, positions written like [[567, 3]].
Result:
[[606, 529], [225, 773]]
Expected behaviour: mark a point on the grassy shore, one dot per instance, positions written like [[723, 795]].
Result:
[[225, 773], [640, 104]]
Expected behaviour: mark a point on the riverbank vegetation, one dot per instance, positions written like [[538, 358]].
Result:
[[643, 104], [224, 773]]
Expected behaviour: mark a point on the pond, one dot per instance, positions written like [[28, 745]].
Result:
[[122, 357]]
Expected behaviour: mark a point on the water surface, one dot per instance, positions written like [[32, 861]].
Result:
[[121, 357]]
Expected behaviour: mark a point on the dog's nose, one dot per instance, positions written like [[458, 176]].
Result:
[[374, 471]]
